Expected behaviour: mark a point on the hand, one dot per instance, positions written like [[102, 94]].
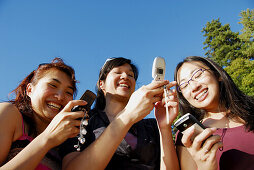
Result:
[[142, 101], [172, 103], [65, 124], [203, 148]]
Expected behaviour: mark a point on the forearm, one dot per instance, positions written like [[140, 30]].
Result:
[[169, 158], [30, 156], [100, 152]]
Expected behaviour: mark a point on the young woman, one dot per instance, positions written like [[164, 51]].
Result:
[[207, 91], [39, 118], [118, 137]]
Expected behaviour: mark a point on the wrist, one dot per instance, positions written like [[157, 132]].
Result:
[[125, 117], [45, 141]]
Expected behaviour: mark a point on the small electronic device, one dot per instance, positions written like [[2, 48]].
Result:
[[158, 73], [89, 97], [186, 121], [159, 66]]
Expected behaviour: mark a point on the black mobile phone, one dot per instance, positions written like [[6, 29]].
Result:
[[186, 121], [89, 97]]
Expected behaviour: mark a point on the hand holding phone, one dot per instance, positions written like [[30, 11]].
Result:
[[89, 97], [187, 121], [158, 73]]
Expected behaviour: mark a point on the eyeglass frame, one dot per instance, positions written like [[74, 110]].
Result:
[[188, 82]]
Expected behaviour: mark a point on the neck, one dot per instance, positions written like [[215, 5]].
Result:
[[113, 107], [216, 114], [220, 119], [40, 125]]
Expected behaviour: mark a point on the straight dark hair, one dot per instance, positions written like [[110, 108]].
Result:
[[235, 101], [109, 64]]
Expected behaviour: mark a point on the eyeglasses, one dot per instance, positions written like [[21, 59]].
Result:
[[196, 76]]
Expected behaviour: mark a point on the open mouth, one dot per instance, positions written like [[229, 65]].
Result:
[[201, 95], [124, 85], [54, 106]]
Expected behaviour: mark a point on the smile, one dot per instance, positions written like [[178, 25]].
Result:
[[125, 85], [200, 95], [54, 105]]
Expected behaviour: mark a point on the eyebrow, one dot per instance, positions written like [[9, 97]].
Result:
[[58, 81], [191, 73]]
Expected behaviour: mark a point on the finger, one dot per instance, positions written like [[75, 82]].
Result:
[[73, 103], [214, 149], [75, 115], [187, 134], [171, 104], [157, 84], [171, 84], [171, 94], [210, 142], [156, 99], [155, 93], [76, 123], [200, 138], [75, 132]]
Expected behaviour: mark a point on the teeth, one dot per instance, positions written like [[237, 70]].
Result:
[[201, 94], [124, 85], [54, 105]]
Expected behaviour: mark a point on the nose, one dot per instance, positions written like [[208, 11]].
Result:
[[194, 85], [124, 75], [60, 95]]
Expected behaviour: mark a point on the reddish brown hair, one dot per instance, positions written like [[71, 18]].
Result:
[[23, 102]]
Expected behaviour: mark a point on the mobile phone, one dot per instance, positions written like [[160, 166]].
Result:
[[187, 121], [159, 66], [89, 97]]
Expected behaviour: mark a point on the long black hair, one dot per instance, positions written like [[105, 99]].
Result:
[[109, 64], [235, 101]]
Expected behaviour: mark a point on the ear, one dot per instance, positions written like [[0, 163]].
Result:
[[220, 79], [29, 88], [102, 84]]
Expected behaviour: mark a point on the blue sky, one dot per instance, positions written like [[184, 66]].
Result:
[[85, 33]]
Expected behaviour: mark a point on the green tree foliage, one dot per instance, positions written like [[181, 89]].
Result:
[[242, 72], [247, 20], [232, 50], [221, 43]]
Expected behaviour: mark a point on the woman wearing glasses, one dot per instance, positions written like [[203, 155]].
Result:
[[39, 118], [117, 135], [207, 91]]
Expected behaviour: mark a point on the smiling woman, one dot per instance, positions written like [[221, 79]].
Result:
[[117, 135], [208, 92], [39, 119]]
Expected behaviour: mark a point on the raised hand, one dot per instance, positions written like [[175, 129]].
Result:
[[65, 124], [203, 148], [172, 103], [142, 101]]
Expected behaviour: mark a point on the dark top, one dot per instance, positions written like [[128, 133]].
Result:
[[238, 148], [145, 155]]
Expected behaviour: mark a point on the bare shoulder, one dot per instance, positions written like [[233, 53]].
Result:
[[10, 128], [8, 110], [10, 118]]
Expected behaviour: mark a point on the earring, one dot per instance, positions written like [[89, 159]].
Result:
[[82, 131]]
